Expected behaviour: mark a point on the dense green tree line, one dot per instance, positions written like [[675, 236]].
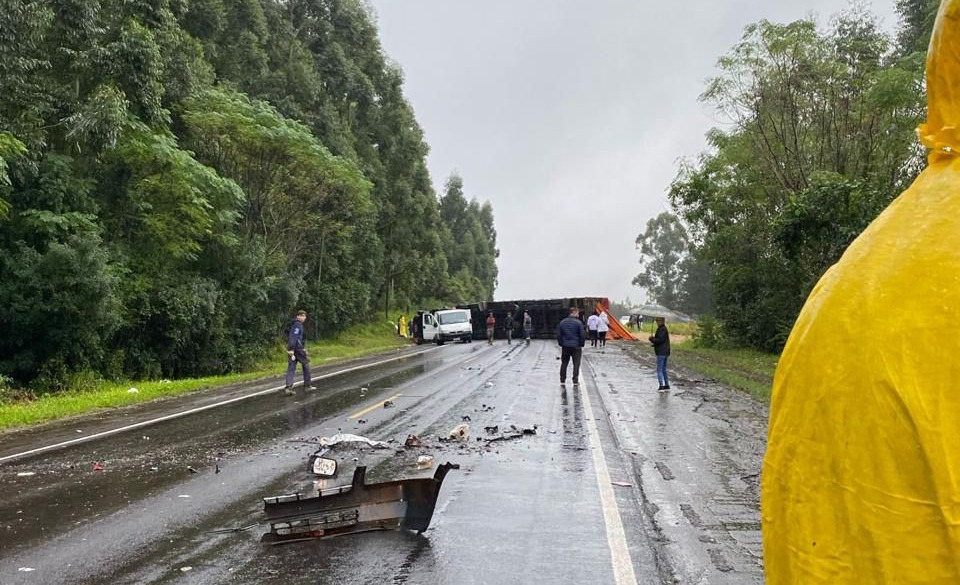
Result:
[[820, 139], [176, 176]]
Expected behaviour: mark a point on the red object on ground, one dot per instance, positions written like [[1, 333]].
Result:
[[97, 466]]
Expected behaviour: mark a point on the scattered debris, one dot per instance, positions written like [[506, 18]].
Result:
[[26, 569], [185, 569], [232, 530], [425, 462], [191, 469], [132, 391], [97, 466], [183, 496], [405, 504], [79, 431], [216, 469], [154, 468], [465, 418], [460, 432], [488, 385], [485, 408], [621, 483], [343, 438], [362, 421], [514, 433], [26, 474], [492, 430], [412, 441], [388, 403], [145, 438]]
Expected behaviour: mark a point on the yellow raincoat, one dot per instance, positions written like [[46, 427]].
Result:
[[861, 481]]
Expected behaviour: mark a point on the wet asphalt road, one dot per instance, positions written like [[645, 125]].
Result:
[[620, 484]]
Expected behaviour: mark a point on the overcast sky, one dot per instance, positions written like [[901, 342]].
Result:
[[569, 117]]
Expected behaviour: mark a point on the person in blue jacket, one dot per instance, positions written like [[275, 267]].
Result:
[[297, 352], [571, 339]]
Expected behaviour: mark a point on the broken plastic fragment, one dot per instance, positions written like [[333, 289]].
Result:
[[460, 432], [348, 438], [424, 461]]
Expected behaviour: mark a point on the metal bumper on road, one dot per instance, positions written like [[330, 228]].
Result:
[[405, 504]]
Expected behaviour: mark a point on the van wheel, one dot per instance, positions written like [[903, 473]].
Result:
[[439, 341]]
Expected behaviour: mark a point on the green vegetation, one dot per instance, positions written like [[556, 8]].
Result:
[[176, 178], [744, 369], [92, 394], [819, 138]]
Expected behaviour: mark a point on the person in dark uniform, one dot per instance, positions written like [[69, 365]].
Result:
[[661, 347], [297, 352], [571, 339]]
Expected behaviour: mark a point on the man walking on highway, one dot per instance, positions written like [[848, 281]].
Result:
[[491, 324], [527, 326], [571, 339], [593, 323], [661, 347], [297, 352], [508, 326]]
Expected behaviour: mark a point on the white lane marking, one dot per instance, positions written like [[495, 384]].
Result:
[[199, 409], [616, 539]]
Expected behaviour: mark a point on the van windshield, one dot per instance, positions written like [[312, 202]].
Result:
[[454, 317]]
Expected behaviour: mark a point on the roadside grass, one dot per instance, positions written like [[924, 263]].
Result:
[[748, 370], [355, 342]]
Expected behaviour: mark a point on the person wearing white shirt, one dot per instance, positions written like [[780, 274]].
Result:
[[593, 323], [603, 325]]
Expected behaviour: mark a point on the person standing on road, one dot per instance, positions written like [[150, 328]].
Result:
[[491, 324], [571, 340], [508, 325], [603, 325], [297, 352], [527, 326], [592, 328], [661, 347]]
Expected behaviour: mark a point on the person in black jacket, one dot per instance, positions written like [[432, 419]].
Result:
[[661, 347], [571, 338], [297, 352]]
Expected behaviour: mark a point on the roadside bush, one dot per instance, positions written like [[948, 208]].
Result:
[[709, 333], [84, 381]]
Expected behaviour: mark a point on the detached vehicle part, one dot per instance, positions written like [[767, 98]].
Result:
[[405, 504]]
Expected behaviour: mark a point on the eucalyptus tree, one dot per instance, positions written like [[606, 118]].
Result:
[[663, 246]]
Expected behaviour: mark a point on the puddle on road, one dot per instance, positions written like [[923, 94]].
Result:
[[574, 446]]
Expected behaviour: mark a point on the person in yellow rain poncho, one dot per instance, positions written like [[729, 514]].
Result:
[[861, 480]]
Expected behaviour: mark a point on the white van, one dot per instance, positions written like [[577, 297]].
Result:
[[448, 325]]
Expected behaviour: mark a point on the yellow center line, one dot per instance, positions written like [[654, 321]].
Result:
[[374, 407]]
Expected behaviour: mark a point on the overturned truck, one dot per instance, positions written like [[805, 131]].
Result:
[[545, 314]]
